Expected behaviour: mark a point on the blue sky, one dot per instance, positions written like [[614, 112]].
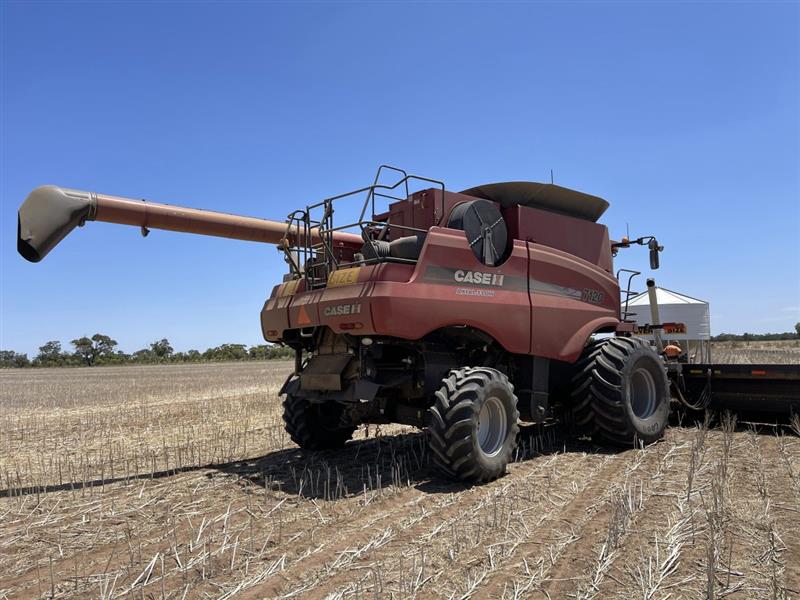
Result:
[[686, 117]]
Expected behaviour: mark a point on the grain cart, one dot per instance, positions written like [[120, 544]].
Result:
[[461, 312]]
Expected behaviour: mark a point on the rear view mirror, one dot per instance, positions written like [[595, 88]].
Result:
[[653, 259], [654, 250]]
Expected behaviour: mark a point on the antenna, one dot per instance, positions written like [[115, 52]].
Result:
[[551, 176], [627, 231]]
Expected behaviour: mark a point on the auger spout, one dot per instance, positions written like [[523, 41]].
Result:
[[50, 213]]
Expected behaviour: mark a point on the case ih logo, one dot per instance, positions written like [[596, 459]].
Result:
[[340, 310], [476, 277]]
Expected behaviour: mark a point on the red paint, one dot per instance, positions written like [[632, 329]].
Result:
[[554, 265]]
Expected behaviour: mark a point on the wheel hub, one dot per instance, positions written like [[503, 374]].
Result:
[[492, 426], [642, 392]]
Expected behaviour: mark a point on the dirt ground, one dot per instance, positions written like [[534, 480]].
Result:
[[179, 482]]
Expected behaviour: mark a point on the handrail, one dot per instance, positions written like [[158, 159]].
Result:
[[302, 223], [633, 274]]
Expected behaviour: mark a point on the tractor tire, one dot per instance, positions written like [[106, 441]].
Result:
[[474, 424], [314, 426], [620, 392]]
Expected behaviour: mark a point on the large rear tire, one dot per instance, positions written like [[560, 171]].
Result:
[[314, 426], [474, 424], [620, 392]]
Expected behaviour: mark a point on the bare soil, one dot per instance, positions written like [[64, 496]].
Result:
[[179, 482]]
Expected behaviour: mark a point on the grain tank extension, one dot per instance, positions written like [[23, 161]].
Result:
[[460, 312]]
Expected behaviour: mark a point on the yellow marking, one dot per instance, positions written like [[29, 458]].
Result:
[[344, 277], [288, 288]]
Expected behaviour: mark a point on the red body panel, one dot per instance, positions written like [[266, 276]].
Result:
[[552, 292], [448, 302], [582, 238], [571, 299], [422, 210]]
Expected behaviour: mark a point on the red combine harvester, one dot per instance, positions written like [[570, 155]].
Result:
[[460, 312]]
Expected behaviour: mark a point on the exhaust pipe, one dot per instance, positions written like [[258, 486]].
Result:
[[50, 213], [654, 316]]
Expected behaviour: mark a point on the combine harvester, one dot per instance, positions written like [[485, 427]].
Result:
[[463, 313]]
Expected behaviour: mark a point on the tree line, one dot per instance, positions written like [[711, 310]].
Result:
[[101, 349], [757, 337]]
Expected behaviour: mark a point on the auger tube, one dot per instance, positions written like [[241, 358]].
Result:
[[654, 316], [50, 213]]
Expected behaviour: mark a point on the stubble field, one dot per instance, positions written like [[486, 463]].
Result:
[[786, 352], [179, 482]]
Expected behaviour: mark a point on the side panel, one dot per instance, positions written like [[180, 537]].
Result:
[[422, 210], [304, 309], [540, 301], [343, 306], [450, 287], [577, 237], [570, 298], [346, 309], [275, 313]]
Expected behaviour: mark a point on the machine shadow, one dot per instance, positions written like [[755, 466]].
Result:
[[402, 460], [369, 465], [361, 467]]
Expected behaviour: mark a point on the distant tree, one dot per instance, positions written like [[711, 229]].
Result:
[[50, 355], [259, 352], [11, 359], [797, 329], [90, 349], [115, 358], [226, 352], [754, 337], [7, 358], [161, 349], [145, 355], [100, 350], [269, 352], [84, 349], [51, 349]]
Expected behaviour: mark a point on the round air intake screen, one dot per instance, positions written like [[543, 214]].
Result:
[[484, 227]]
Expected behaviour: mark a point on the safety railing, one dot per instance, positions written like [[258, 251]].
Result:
[[310, 245], [628, 293]]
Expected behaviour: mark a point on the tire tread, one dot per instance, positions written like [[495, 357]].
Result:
[[452, 420], [597, 403], [304, 430]]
